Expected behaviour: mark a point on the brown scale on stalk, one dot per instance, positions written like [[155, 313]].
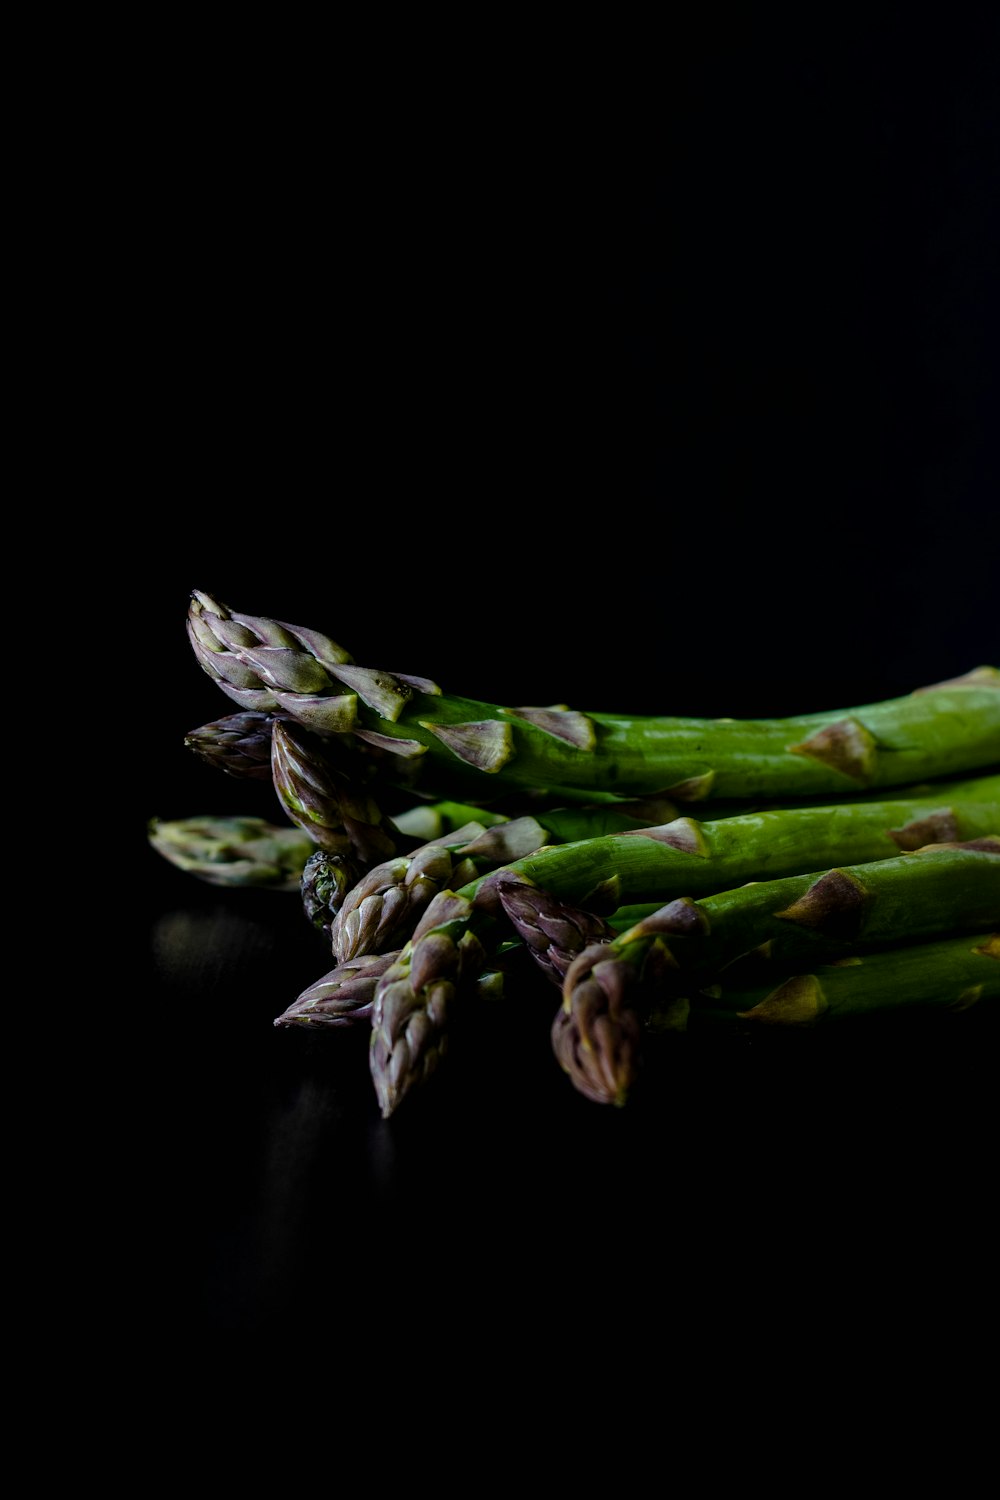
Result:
[[835, 905], [846, 746], [937, 828], [562, 723], [487, 745], [796, 1002], [683, 833], [681, 917], [692, 789]]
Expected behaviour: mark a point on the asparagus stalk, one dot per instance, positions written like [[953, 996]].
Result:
[[271, 666], [681, 858], [233, 851], [716, 930], [949, 973], [952, 973], [611, 987]]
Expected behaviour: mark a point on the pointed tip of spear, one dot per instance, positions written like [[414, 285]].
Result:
[[596, 1034], [553, 931]]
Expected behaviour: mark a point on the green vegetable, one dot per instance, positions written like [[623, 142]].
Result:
[[681, 858], [439, 739], [950, 973], [611, 988]]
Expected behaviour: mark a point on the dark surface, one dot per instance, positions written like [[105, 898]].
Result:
[[696, 419], [281, 1174]]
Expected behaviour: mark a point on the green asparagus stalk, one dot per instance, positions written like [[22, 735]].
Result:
[[611, 987], [719, 929], [681, 858], [602, 1055], [233, 851], [952, 973], [270, 666], [239, 744]]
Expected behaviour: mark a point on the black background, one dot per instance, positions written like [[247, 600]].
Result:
[[673, 398], [678, 405]]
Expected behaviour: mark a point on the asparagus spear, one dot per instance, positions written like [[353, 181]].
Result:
[[239, 744], [611, 987], [344, 996], [270, 666], [553, 931], [714, 930], [953, 973], [233, 851], [681, 858]]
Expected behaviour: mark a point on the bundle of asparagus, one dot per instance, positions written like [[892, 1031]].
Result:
[[845, 863]]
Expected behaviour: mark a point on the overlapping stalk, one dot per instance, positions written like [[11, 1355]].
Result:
[[611, 988], [951, 973], [382, 908], [682, 858]]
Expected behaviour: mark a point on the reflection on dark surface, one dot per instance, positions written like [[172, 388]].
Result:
[[282, 1188]]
